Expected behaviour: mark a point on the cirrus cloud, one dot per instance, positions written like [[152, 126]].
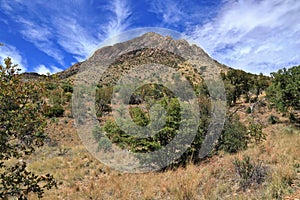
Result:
[[257, 36]]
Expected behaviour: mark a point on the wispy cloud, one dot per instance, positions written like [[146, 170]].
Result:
[[6, 6], [65, 31], [56, 33], [257, 36], [80, 41], [14, 54], [42, 69], [169, 10], [119, 21], [74, 38], [42, 37], [32, 28]]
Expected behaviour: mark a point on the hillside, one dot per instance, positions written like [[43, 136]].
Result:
[[255, 157], [80, 176], [125, 57]]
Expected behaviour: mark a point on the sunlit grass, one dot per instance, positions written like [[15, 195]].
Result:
[[80, 176]]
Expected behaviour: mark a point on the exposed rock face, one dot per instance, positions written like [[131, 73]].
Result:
[[148, 48], [70, 71], [150, 40]]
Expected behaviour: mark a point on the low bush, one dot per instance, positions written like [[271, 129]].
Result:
[[234, 136], [272, 119], [255, 132], [249, 172], [50, 86], [54, 111], [249, 110], [139, 117], [68, 96], [67, 87]]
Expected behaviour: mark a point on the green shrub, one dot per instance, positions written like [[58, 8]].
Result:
[[55, 111], [162, 136], [138, 116], [203, 68], [53, 120], [104, 143], [273, 119], [67, 87], [103, 100], [97, 133], [255, 131], [21, 132], [56, 96], [284, 91], [165, 127], [248, 111], [234, 137], [68, 96], [249, 172], [50, 86]]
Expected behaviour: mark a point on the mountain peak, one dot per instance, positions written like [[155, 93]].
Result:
[[151, 34], [150, 43], [150, 40]]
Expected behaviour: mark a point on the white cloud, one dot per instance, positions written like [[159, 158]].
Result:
[[42, 37], [6, 7], [170, 11], [14, 54], [54, 29], [74, 38], [257, 36], [42, 69], [80, 41], [120, 19], [50, 33], [34, 31]]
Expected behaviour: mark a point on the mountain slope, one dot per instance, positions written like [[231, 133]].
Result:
[[81, 176], [148, 48]]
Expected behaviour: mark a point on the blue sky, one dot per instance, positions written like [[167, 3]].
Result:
[[253, 35]]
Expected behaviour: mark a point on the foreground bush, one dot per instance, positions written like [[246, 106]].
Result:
[[21, 131], [249, 172]]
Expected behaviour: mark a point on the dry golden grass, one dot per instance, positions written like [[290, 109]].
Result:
[[80, 176]]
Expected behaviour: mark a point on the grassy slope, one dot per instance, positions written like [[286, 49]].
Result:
[[80, 176]]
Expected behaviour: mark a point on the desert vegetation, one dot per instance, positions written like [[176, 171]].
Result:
[[256, 156]]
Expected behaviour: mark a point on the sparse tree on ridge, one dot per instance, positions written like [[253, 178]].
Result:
[[284, 92]]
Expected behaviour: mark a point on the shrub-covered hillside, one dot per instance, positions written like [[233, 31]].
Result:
[[255, 157]]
